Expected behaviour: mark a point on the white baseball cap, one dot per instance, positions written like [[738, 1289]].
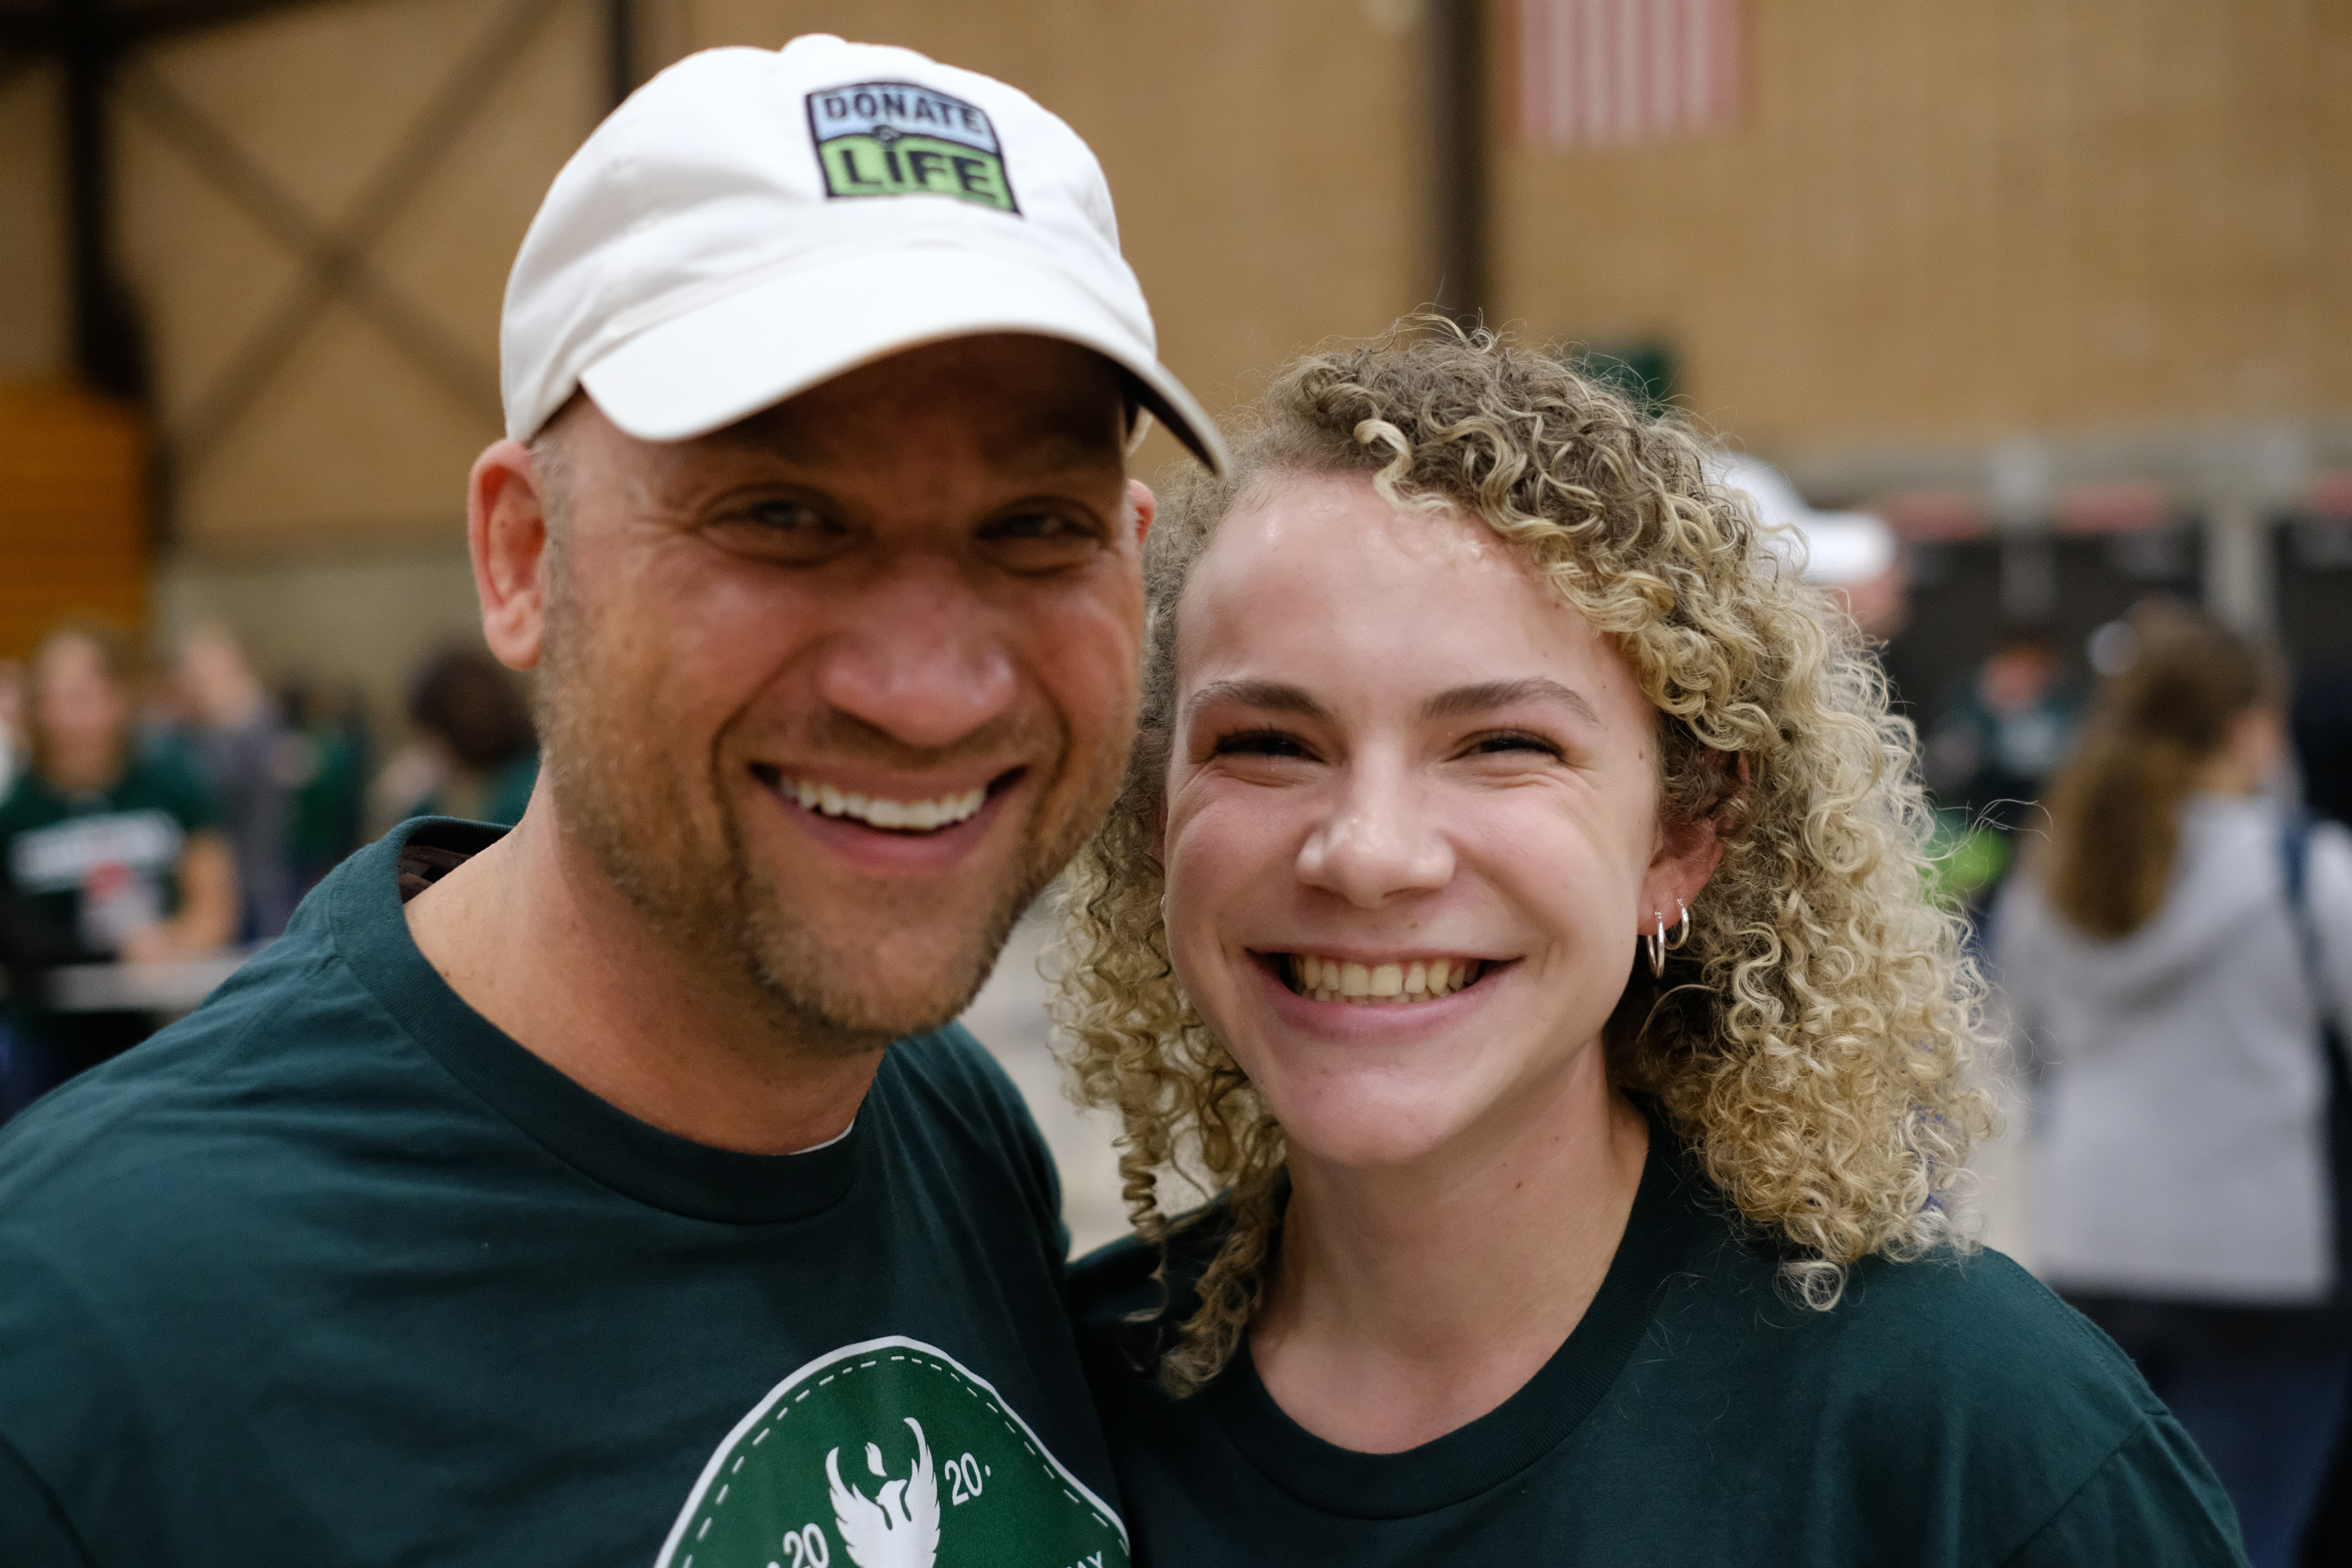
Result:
[[750, 223]]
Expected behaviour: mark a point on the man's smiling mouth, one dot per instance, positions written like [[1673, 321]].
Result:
[[891, 815]]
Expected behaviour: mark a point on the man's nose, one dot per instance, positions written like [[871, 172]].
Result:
[[921, 657], [1376, 839]]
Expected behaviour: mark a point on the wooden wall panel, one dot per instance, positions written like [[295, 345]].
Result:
[[32, 325], [351, 437], [1954, 223], [73, 516]]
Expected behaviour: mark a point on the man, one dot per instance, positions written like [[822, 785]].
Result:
[[572, 1210]]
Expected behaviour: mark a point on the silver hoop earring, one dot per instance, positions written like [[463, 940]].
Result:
[[1657, 943], [1681, 935]]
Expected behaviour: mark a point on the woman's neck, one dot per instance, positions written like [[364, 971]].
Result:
[[1408, 1302]]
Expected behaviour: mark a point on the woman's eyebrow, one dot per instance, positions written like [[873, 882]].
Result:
[[1271, 694], [1463, 702]]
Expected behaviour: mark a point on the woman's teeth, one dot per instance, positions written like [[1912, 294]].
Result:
[[875, 812], [1336, 979]]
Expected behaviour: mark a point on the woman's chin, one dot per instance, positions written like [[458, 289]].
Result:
[[1370, 1127]]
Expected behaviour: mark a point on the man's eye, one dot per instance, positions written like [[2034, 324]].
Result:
[[1028, 525], [787, 533], [1040, 540], [792, 517]]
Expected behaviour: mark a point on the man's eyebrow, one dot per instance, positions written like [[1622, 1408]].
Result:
[[1464, 702], [1052, 450], [1270, 695], [767, 436]]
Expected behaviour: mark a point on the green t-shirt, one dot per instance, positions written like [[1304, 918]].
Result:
[[333, 1271], [1943, 1414], [87, 868]]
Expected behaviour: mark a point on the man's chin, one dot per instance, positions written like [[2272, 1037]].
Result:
[[867, 994]]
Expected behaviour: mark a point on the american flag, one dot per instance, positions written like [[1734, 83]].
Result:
[[1604, 73]]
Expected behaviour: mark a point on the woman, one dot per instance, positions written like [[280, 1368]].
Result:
[[105, 852], [1516, 909], [2155, 951]]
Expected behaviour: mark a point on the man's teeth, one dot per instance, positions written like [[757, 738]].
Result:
[[877, 811], [1336, 979]]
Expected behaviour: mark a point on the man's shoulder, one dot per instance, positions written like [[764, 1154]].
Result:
[[286, 1055], [947, 1074]]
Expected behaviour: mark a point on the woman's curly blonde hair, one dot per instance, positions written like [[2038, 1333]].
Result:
[[1812, 1042]]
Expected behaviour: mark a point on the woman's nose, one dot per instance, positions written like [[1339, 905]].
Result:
[[1377, 839]]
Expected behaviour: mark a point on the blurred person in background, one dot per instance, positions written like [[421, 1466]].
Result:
[[2320, 723], [243, 751], [330, 805], [476, 755], [12, 750], [2001, 734], [2174, 952], [13, 972], [106, 852]]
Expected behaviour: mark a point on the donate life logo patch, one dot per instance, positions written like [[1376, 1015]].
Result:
[[895, 139], [889, 1454]]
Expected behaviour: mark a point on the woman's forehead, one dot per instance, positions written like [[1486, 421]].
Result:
[[1345, 514], [1319, 573]]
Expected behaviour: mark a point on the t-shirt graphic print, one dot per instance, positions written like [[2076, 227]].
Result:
[[892, 1454]]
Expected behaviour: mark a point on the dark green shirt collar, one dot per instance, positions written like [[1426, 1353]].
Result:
[[1486, 1453], [601, 1142]]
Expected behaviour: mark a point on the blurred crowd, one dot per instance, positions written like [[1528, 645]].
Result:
[[177, 813]]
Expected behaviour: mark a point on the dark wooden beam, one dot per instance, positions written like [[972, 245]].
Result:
[[1458, 156], [620, 48], [110, 348], [41, 30]]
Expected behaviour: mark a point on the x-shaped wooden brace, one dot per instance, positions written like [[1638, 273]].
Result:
[[334, 258]]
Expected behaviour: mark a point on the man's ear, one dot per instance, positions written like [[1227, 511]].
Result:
[[1145, 504], [507, 535]]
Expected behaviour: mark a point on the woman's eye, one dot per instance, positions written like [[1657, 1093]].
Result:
[[1261, 743], [1504, 744]]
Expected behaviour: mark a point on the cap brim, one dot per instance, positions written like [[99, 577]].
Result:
[[705, 369]]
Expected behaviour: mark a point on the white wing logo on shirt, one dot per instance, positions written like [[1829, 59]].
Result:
[[898, 1527], [956, 1471]]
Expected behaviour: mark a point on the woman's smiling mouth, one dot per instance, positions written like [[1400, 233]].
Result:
[[1321, 979]]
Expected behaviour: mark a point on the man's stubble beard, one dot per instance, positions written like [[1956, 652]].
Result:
[[625, 799]]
